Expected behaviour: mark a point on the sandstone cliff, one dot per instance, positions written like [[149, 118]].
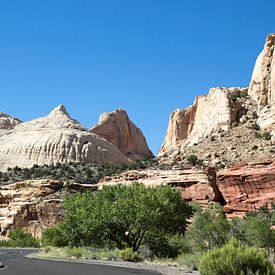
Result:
[[117, 128], [34, 204], [52, 139], [262, 85], [247, 187], [219, 109]]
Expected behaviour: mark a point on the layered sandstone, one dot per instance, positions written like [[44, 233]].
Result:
[[33, 205], [217, 110], [194, 184], [247, 187], [117, 128], [52, 139]]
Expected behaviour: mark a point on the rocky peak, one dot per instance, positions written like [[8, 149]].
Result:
[[8, 122], [117, 128], [58, 118], [262, 84]]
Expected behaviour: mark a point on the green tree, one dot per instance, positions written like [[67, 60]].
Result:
[[123, 216], [209, 228]]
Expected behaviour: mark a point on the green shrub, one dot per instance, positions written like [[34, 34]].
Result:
[[257, 135], [53, 236], [19, 238], [267, 135], [190, 260], [129, 255], [235, 258], [209, 228], [254, 147], [255, 126], [193, 159]]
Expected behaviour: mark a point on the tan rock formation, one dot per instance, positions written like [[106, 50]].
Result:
[[194, 184], [262, 85], [247, 187], [52, 139], [217, 110], [8, 122], [33, 205], [117, 128]]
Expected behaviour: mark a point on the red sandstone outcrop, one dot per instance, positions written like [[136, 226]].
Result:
[[247, 187], [194, 184], [219, 109], [33, 205], [117, 128]]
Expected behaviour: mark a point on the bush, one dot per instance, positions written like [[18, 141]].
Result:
[[255, 126], [129, 255], [19, 238], [254, 147], [54, 237], [267, 135], [193, 159], [235, 258], [209, 228]]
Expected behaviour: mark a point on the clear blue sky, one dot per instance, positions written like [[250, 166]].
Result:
[[147, 56]]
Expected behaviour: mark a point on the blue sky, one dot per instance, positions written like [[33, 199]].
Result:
[[146, 56]]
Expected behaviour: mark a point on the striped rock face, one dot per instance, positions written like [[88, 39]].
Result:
[[247, 187], [52, 139]]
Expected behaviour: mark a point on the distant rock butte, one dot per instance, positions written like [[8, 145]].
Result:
[[216, 110], [52, 139], [8, 122], [117, 128]]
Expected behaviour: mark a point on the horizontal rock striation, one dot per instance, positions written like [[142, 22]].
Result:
[[117, 128], [33, 205], [247, 187], [194, 184], [53, 139]]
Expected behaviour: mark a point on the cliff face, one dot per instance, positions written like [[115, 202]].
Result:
[[117, 128], [52, 139], [33, 204], [262, 85], [247, 187], [217, 110]]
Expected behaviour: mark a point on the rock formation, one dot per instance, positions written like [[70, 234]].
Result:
[[117, 128], [262, 85], [8, 122], [52, 139], [33, 205], [217, 110], [247, 187], [194, 184]]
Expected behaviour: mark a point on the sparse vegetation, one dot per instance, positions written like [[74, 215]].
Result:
[[192, 159], [77, 172], [255, 127], [267, 135], [254, 147]]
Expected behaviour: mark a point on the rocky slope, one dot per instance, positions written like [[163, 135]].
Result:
[[52, 139], [8, 122], [117, 128]]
